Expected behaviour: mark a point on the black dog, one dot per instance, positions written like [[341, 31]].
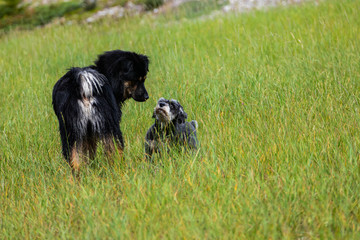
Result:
[[87, 102], [170, 127]]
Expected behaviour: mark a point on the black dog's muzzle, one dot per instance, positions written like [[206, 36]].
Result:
[[140, 94]]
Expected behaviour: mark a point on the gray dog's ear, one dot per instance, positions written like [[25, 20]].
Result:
[[182, 116], [153, 116]]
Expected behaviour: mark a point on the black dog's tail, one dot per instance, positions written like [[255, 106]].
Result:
[[90, 81]]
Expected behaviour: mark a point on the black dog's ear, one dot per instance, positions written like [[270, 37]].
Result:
[[121, 65], [182, 116], [127, 66]]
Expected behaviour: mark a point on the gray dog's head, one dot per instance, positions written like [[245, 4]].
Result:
[[167, 111]]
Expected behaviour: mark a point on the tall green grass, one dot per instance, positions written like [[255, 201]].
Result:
[[276, 96]]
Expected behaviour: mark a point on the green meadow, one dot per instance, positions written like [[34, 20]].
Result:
[[276, 94]]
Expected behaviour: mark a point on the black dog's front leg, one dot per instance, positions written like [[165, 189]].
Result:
[[114, 144]]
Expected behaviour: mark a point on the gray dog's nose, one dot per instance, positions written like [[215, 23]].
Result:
[[161, 104]]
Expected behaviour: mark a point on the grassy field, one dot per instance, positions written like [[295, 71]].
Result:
[[277, 98]]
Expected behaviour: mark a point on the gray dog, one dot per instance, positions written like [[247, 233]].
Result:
[[170, 128]]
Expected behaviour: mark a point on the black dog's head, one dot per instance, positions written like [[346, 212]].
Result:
[[167, 111], [126, 72]]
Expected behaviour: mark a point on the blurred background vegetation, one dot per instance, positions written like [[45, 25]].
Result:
[[27, 14], [9, 7]]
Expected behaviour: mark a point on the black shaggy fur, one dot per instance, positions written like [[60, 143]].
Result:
[[126, 72], [87, 102], [170, 127]]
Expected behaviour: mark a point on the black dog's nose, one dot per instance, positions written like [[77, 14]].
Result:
[[146, 97]]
